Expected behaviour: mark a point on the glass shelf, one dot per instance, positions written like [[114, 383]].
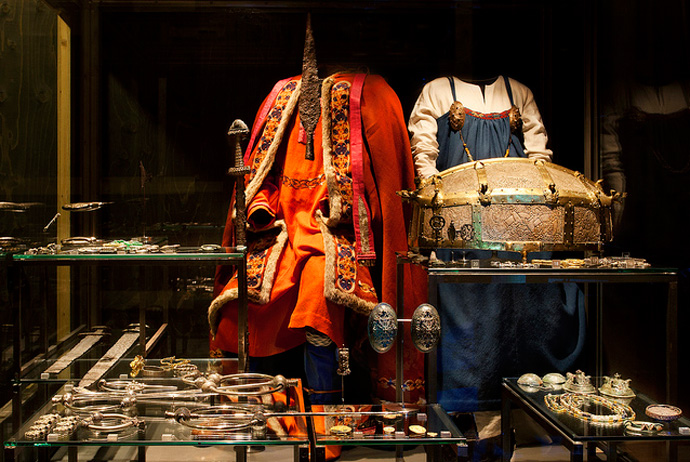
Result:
[[161, 432], [154, 428], [554, 275], [182, 255], [158, 431], [153, 424], [369, 429], [579, 430], [481, 271], [121, 370]]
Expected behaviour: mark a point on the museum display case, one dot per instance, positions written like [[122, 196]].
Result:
[[93, 387], [584, 437], [103, 317], [118, 165], [595, 275]]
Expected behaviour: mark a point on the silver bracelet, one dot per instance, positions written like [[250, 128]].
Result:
[[245, 384], [217, 418], [131, 387], [86, 403], [154, 371], [103, 422]]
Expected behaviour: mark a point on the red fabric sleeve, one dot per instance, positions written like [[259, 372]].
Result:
[[262, 210], [390, 169]]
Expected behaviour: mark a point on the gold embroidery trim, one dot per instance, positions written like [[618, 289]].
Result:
[[298, 183]]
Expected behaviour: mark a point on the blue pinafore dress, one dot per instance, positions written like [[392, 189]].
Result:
[[498, 330], [486, 136]]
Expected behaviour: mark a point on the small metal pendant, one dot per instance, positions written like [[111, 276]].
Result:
[[426, 327], [382, 327], [456, 116], [343, 355], [451, 232]]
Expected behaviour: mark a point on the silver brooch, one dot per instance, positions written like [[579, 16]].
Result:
[[426, 327], [382, 327]]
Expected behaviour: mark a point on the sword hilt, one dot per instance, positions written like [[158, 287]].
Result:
[[236, 133]]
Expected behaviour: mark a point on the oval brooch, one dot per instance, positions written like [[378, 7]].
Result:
[[382, 327], [426, 327]]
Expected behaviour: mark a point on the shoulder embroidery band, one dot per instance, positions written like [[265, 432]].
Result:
[[340, 139], [262, 116], [273, 120]]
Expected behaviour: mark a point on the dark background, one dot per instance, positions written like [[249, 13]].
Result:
[[173, 82]]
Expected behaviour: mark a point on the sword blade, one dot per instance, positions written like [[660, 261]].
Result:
[[79, 349], [109, 359]]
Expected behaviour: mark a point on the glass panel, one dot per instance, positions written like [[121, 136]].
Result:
[[643, 89], [644, 79], [28, 111]]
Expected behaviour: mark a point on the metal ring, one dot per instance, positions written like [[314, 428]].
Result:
[[254, 384], [214, 418], [126, 422], [130, 387], [664, 412], [154, 371], [82, 405], [274, 384]]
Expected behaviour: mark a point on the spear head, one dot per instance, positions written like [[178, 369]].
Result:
[[309, 99]]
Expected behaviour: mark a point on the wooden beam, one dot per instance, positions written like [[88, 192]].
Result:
[[64, 177]]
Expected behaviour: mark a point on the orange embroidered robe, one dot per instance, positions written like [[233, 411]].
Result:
[[311, 223]]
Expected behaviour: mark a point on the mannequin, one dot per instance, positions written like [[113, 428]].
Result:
[[498, 330], [488, 137], [322, 232]]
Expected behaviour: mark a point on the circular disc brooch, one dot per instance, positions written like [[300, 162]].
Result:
[[663, 412]]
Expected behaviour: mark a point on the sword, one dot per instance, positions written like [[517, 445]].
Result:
[[84, 345], [109, 359], [238, 131]]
